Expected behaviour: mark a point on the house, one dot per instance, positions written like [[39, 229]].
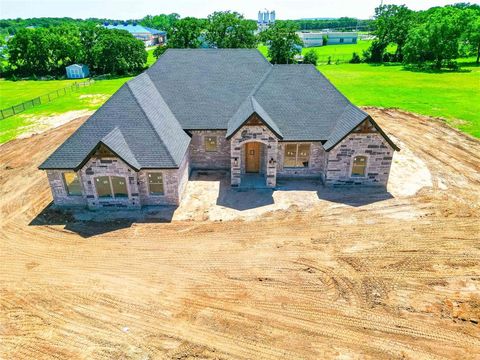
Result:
[[321, 38], [77, 71], [216, 109], [149, 36]]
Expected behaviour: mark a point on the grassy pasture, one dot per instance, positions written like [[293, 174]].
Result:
[[86, 98], [16, 92], [341, 53], [450, 95], [454, 96]]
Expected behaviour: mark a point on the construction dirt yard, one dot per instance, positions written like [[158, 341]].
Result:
[[297, 273]]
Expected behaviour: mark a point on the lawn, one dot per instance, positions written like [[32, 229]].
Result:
[[16, 92], [454, 96], [150, 58], [87, 98], [450, 95], [342, 53]]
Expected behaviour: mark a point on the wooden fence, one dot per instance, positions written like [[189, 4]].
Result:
[[43, 99]]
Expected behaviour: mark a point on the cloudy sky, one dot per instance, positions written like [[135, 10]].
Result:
[[130, 9]]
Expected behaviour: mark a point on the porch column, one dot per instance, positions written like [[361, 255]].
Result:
[[235, 162], [271, 175]]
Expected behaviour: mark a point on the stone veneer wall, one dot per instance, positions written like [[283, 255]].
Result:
[[316, 163], [59, 190], [109, 166], [201, 159], [372, 145], [252, 133], [174, 182]]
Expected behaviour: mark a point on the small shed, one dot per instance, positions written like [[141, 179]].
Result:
[[77, 71]]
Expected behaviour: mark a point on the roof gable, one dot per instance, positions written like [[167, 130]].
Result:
[[246, 113], [116, 142], [143, 141]]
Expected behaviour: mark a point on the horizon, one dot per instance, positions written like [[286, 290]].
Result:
[[122, 9]]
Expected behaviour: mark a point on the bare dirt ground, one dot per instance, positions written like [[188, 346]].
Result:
[[331, 276]]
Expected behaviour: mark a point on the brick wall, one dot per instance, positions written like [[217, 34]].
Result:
[[316, 163], [174, 182], [201, 159], [109, 166], [372, 145], [59, 190]]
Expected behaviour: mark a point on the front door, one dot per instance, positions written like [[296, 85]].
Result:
[[252, 155]]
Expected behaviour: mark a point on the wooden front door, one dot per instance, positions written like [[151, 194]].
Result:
[[252, 157]]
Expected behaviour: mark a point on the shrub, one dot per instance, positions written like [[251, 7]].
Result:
[[310, 57], [355, 59]]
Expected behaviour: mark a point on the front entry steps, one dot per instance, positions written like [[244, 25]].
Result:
[[253, 181]]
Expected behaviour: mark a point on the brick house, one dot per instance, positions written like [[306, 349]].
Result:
[[226, 109]]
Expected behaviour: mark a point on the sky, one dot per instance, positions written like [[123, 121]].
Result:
[[135, 9]]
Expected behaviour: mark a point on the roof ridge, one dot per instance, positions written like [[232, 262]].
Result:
[[148, 118], [262, 80]]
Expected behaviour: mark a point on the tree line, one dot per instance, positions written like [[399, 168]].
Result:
[[431, 38], [47, 49]]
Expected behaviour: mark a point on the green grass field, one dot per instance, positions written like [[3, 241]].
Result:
[[342, 53], [454, 96], [150, 58], [86, 98], [15, 92], [451, 95]]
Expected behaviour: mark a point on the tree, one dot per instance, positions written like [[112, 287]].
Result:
[[185, 33], [392, 24], [471, 36], [118, 52], [44, 51], [160, 22], [311, 57], [230, 30], [436, 39], [89, 35], [282, 41]]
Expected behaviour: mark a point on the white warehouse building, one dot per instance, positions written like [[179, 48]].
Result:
[[311, 39]]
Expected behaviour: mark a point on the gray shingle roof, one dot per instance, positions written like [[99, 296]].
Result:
[[249, 107], [144, 122], [142, 136]]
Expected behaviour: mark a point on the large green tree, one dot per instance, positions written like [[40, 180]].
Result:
[[160, 22], [185, 33], [44, 51], [282, 41], [392, 25], [89, 35], [118, 52], [436, 39], [227, 29], [471, 34]]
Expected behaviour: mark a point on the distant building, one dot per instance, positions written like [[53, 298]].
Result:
[[322, 38], [77, 71], [150, 37], [265, 19]]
